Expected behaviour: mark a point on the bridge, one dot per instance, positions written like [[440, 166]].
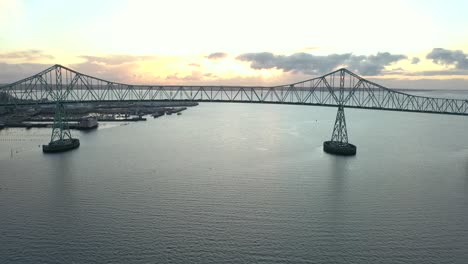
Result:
[[60, 85]]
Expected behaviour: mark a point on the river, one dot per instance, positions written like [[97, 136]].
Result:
[[240, 183]]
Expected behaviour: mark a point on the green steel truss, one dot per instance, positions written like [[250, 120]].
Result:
[[60, 85], [60, 129], [340, 87], [340, 133]]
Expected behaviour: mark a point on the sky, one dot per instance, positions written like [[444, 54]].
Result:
[[417, 44]]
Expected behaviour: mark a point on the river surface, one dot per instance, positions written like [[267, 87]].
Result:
[[240, 183]]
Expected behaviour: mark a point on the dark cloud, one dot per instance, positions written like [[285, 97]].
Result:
[[10, 73], [297, 62], [125, 69], [372, 64], [26, 55], [415, 60], [310, 64], [217, 55], [456, 58]]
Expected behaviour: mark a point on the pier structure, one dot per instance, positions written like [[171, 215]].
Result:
[[339, 144], [61, 138], [340, 88]]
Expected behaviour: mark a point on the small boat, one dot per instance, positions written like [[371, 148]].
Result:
[[87, 122], [61, 145], [158, 114]]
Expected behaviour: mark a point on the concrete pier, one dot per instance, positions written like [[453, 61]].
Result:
[[339, 148]]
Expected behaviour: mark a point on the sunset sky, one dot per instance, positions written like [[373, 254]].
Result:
[[398, 43]]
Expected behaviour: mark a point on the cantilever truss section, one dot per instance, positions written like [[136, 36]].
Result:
[[59, 83]]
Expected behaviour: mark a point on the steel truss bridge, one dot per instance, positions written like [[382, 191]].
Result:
[[60, 85]]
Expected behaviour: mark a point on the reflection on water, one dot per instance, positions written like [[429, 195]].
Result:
[[339, 167]]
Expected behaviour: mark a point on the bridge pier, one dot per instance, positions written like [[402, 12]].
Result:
[[339, 145], [61, 139]]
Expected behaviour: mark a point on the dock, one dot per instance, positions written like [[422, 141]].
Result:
[[126, 119], [73, 122]]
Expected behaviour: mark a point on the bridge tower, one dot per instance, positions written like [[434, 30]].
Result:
[[60, 128], [339, 145], [61, 139]]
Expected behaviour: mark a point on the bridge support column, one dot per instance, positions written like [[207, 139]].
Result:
[[61, 139], [338, 145]]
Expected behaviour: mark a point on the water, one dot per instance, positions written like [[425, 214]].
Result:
[[240, 183]]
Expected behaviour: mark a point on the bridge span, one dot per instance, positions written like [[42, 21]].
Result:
[[341, 88]]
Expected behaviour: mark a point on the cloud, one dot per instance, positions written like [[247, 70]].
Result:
[[295, 67], [373, 64], [117, 67], [297, 62], [210, 75], [456, 58], [217, 55], [115, 59], [26, 55], [415, 60], [426, 73], [200, 78], [442, 72], [10, 73], [111, 72], [310, 64], [193, 76], [424, 83], [126, 73]]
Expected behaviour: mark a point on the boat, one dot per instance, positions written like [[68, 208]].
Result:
[[61, 145], [158, 114], [175, 110], [87, 122]]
